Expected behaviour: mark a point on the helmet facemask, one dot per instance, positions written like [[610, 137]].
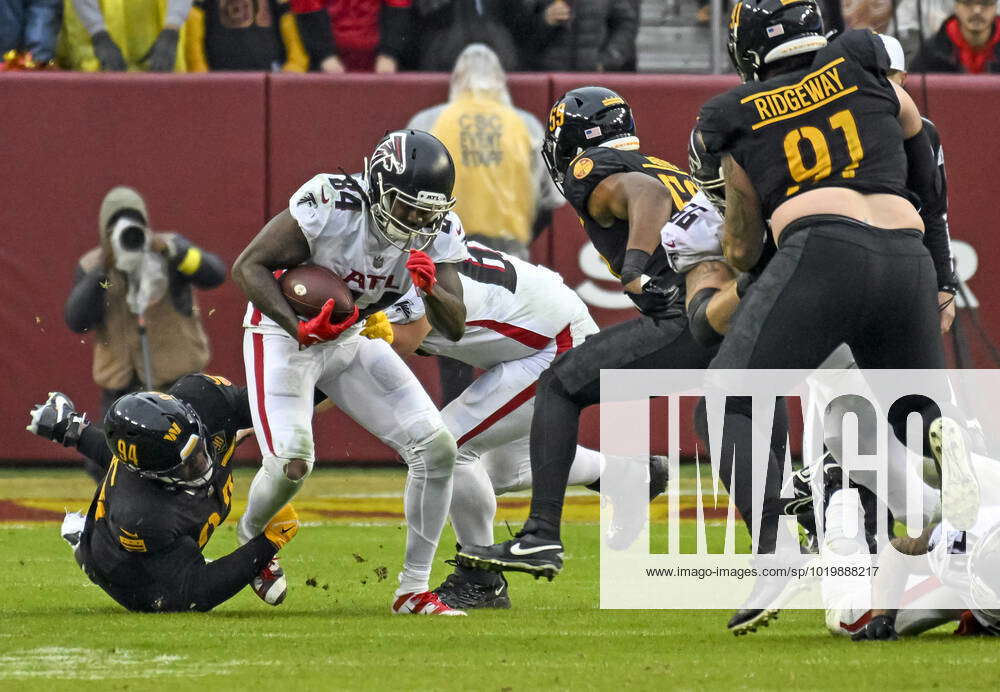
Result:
[[406, 221]]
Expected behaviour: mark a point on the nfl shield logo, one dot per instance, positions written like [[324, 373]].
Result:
[[776, 30], [378, 262]]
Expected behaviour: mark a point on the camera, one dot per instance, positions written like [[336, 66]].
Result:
[[129, 242]]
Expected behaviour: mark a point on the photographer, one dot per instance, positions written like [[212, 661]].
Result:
[[134, 292]]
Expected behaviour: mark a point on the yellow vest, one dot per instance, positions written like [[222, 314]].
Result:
[[133, 24], [493, 155]]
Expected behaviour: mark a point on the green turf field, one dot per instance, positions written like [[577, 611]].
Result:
[[335, 632]]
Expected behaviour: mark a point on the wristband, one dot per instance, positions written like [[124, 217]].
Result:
[[635, 262]]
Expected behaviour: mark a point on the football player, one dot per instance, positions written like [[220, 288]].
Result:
[[167, 487], [623, 197], [519, 318], [382, 231]]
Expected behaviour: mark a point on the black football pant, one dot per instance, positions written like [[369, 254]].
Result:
[[573, 382], [833, 280]]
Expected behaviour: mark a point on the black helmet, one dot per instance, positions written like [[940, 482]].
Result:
[[160, 437], [580, 119], [412, 171], [764, 31], [706, 170]]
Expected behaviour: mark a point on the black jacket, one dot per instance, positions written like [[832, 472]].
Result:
[[600, 35]]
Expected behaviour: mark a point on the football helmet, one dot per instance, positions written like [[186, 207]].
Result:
[[764, 31], [159, 437], [580, 119], [706, 169], [410, 179]]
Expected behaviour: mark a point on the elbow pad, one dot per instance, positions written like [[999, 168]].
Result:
[[922, 174], [701, 329]]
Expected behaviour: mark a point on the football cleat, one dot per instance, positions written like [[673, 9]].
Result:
[[773, 592], [525, 552], [459, 591], [959, 486], [270, 584], [425, 603]]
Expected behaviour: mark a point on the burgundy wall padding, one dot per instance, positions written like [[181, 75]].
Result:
[[216, 155]]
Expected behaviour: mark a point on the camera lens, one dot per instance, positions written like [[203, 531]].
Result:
[[132, 238]]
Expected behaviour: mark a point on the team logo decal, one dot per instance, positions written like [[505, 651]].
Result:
[[389, 153], [582, 168], [378, 261], [308, 199]]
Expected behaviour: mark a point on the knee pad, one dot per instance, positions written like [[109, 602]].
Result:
[[434, 457], [276, 466]]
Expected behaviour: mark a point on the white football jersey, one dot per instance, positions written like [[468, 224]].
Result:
[[513, 309], [693, 235], [338, 228]]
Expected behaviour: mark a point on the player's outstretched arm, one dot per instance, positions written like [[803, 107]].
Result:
[[744, 229], [646, 205], [279, 245]]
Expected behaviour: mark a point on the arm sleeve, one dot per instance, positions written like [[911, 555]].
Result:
[[93, 445], [935, 215], [177, 12], [624, 26], [314, 28], [203, 269], [89, 12], [202, 586], [85, 304], [194, 39], [922, 175], [394, 27]]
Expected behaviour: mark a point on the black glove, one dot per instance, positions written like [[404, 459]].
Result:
[[879, 628], [108, 53], [163, 53], [57, 420], [658, 299]]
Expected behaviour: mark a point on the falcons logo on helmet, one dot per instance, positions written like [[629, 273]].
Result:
[[389, 153]]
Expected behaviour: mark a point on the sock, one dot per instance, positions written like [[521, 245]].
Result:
[[270, 490], [473, 504]]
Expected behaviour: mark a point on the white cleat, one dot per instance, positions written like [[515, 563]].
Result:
[[426, 603], [270, 584], [959, 487]]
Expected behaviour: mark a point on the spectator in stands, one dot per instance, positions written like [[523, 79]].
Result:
[[229, 35], [917, 20], [862, 14], [28, 33], [119, 36], [968, 41], [505, 196], [446, 27], [353, 35], [138, 279], [582, 35]]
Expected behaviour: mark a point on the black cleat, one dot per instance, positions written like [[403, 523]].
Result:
[[458, 591], [525, 552]]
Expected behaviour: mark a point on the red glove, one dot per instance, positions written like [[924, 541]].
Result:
[[320, 329], [422, 270]]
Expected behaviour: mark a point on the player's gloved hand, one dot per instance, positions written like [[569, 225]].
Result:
[[377, 326], [57, 420], [320, 329], [422, 270], [658, 300], [879, 628], [283, 527], [163, 53], [107, 52]]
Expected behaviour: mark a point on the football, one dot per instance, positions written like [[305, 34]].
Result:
[[309, 286]]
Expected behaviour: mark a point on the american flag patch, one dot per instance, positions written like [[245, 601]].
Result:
[[592, 132], [775, 30]]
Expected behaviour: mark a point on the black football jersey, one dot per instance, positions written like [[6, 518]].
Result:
[[132, 517], [831, 124], [594, 165]]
